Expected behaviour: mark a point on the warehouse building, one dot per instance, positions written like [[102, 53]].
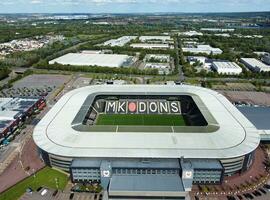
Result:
[[259, 116], [150, 46], [163, 68], [218, 29], [228, 68], [204, 62], [266, 58], [191, 33], [101, 60], [159, 58], [120, 42], [255, 65], [156, 162], [206, 49], [164, 39]]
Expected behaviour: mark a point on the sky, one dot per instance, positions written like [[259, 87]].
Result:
[[131, 6]]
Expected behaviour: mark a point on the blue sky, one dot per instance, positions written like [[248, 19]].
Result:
[[126, 6]]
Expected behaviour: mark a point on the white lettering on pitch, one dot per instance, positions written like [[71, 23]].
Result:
[[153, 107], [111, 105], [121, 106], [163, 107], [175, 107], [142, 106]]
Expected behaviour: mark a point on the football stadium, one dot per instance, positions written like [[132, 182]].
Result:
[[146, 141]]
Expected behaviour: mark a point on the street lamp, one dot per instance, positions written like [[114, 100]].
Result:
[[56, 182]]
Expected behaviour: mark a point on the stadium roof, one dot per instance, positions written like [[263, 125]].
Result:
[[233, 136], [85, 59]]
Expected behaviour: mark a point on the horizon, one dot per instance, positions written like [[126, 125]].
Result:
[[116, 13], [132, 6]]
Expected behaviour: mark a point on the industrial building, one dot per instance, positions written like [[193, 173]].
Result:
[[153, 162], [203, 61], [155, 38], [255, 65], [191, 33], [163, 68], [266, 58], [101, 60], [160, 58], [161, 62], [206, 49], [228, 68], [120, 41], [218, 29], [259, 116], [150, 46], [14, 111]]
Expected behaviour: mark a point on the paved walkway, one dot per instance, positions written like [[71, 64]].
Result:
[[28, 158], [248, 181]]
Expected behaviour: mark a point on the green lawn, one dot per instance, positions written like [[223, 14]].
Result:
[[141, 120], [45, 178]]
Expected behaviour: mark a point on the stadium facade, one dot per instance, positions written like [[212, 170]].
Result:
[[138, 161]]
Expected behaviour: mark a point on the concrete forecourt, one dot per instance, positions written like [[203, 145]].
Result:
[[128, 136]]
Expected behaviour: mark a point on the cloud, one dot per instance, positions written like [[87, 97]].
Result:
[[36, 1]]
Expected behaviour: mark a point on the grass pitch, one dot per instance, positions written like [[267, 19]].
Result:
[[141, 120], [44, 178]]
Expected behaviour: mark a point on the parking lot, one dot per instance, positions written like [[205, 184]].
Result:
[[255, 98], [35, 85]]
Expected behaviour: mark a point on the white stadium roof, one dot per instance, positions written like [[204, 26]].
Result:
[[236, 136], [86, 59]]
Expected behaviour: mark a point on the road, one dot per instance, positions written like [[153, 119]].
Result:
[[179, 53], [227, 79]]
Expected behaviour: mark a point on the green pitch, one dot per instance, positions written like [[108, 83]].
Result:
[[140, 120], [46, 177]]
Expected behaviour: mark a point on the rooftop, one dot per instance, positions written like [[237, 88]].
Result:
[[150, 46], [254, 63], [85, 59], [259, 116], [232, 136], [141, 183], [120, 41], [226, 66], [203, 49], [155, 37]]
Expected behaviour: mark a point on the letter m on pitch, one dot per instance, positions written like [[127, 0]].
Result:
[[111, 107]]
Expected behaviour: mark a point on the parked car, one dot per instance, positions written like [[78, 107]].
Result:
[[71, 196], [262, 190]]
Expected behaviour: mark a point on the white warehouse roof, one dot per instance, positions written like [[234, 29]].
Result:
[[84, 59], [120, 41], [207, 49], [256, 65], [235, 135], [150, 46], [162, 38], [223, 67]]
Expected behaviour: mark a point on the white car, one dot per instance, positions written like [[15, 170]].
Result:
[[44, 192]]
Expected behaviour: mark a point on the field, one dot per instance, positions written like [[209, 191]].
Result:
[[141, 120], [44, 178]]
